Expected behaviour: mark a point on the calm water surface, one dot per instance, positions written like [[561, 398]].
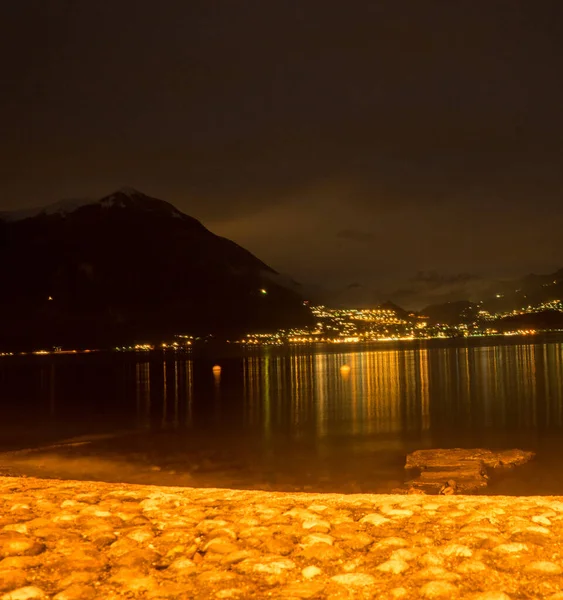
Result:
[[282, 419]]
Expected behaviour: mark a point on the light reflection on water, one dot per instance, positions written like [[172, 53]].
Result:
[[273, 408]]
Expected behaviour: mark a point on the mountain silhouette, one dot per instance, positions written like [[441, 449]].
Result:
[[130, 267]]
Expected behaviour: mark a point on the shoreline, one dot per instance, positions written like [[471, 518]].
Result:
[[71, 540]]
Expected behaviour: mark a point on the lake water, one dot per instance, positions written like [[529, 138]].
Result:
[[290, 419]]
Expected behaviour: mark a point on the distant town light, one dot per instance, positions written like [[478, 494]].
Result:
[[263, 291], [50, 298]]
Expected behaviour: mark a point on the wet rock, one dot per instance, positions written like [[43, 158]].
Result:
[[303, 590], [395, 566], [184, 565], [77, 578], [134, 580], [11, 579], [136, 558], [317, 526], [354, 579], [238, 556], [208, 525], [317, 538], [456, 550], [215, 576], [13, 543], [25, 593], [322, 552], [437, 573], [438, 589], [510, 548], [274, 567], [21, 562], [220, 546], [88, 498], [77, 592], [358, 541], [281, 545], [374, 519], [311, 571], [389, 542], [222, 533], [230, 593], [103, 539], [140, 535], [545, 567], [403, 554], [471, 566]]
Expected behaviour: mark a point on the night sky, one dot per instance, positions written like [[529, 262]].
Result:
[[341, 142]]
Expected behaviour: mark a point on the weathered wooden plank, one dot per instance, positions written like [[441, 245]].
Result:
[[446, 456], [453, 474], [442, 464], [459, 470]]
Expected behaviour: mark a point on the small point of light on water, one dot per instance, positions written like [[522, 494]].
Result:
[[216, 369], [345, 369]]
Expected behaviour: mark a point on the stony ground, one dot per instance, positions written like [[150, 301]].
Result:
[[69, 540]]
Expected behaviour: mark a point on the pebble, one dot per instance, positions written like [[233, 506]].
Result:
[[317, 525], [456, 550], [11, 579], [220, 546], [77, 592], [471, 566], [311, 571], [374, 519], [276, 567], [438, 589], [303, 590], [317, 538], [25, 593], [403, 554], [13, 543], [510, 548], [544, 566], [393, 566], [354, 579], [322, 552], [358, 541]]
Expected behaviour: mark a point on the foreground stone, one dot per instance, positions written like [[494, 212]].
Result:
[[67, 540], [459, 470]]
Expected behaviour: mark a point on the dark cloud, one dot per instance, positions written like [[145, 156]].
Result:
[[427, 288], [429, 132]]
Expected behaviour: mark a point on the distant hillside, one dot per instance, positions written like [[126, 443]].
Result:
[[547, 319], [129, 267], [451, 313], [507, 296], [400, 312], [530, 290]]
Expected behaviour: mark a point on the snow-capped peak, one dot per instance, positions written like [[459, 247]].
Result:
[[121, 198]]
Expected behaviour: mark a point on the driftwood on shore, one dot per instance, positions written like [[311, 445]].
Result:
[[459, 470]]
